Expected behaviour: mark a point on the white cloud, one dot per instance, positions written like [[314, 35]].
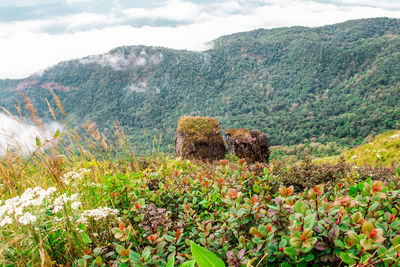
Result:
[[25, 47], [121, 61], [173, 10], [77, 1], [17, 136]]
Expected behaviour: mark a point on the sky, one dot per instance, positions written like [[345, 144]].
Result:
[[35, 34]]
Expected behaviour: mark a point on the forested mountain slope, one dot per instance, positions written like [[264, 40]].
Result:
[[334, 83]]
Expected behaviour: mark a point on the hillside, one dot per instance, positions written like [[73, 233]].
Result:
[[384, 149], [336, 83]]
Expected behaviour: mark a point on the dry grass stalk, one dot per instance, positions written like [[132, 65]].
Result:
[[91, 128], [11, 115], [58, 102], [33, 112], [19, 111], [51, 110]]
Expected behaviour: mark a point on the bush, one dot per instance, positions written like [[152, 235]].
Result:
[[307, 174]]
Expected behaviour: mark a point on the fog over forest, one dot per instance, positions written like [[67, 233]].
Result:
[[15, 134]]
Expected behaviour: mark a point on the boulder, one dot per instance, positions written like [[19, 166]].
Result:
[[250, 145], [199, 138]]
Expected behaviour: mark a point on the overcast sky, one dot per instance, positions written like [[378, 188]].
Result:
[[35, 34]]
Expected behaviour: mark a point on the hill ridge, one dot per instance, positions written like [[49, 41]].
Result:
[[297, 88]]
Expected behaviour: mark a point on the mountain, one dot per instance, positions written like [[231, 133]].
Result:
[[336, 83]]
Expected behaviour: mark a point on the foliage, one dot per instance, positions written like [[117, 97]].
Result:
[[336, 83]]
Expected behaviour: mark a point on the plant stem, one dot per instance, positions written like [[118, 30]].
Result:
[[369, 203], [359, 257]]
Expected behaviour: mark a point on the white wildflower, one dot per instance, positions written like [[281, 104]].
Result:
[[27, 218], [73, 197], [74, 175], [5, 221], [97, 214], [51, 190], [59, 202], [75, 205], [353, 157], [57, 208], [395, 136]]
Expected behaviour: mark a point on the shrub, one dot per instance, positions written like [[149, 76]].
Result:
[[307, 174]]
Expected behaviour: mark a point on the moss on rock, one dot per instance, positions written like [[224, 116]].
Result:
[[238, 133], [199, 138]]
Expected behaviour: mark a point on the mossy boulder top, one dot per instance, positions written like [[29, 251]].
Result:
[[240, 135], [199, 138], [200, 129]]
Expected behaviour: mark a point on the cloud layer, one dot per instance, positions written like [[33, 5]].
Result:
[[72, 29], [18, 136]]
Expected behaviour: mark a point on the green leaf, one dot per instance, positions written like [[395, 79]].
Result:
[[57, 133], [273, 207], [295, 242], [98, 260], [309, 257], [85, 238], [96, 251], [205, 258], [134, 256], [347, 259], [170, 238], [396, 243], [395, 225], [262, 230], [339, 243], [381, 250], [82, 226], [291, 252], [352, 191], [300, 207], [309, 221], [146, 254], [38, 141], [81, 262], [171, 262], [191, 263], [256, 188], [282, 243]]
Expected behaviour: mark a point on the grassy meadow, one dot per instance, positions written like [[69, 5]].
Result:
[[382, 150]]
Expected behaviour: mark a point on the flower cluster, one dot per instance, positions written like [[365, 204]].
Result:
[[60, 201], [74, 175], [14, 208], [97, 214]]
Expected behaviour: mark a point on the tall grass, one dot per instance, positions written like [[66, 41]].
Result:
[[46, 228]]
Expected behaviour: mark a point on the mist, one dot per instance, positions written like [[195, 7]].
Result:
[[19, 136]]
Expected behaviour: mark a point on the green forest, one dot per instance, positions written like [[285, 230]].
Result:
[[338, 83]]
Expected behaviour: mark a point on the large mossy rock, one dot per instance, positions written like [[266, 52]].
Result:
[[250, 145], [199, 138]]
